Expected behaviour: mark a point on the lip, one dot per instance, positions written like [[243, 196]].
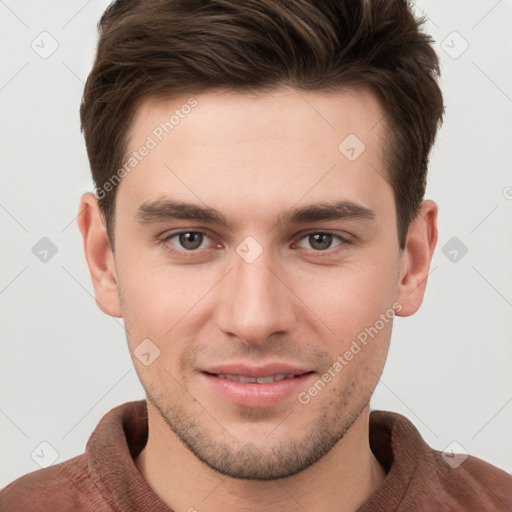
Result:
[[256, 395]]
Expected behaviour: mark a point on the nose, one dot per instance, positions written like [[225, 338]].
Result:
[[257, 302]]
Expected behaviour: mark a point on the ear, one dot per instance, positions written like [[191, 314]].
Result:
[[99, 255], [416, 257]]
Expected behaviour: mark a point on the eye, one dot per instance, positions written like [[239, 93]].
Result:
[[188, 240], [321, 241]]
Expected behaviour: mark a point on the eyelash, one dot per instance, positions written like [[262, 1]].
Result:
[[164, 242]]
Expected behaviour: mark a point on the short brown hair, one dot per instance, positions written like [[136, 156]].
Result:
[[174, 47]]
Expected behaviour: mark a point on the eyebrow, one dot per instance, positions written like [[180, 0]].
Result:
[[339, 210], [166, 209]]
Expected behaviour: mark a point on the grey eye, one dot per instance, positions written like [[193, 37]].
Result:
[[191, 240], [188, 240], [320, 241]]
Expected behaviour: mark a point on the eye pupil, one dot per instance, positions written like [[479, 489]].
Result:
[[191, 240], [320, 241]]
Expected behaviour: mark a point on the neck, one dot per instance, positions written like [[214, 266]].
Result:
[[341, 480]]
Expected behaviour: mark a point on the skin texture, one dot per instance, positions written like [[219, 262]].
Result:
[[253, 157]]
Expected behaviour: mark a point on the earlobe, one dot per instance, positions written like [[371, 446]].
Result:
[[416, 257], [99, 256]]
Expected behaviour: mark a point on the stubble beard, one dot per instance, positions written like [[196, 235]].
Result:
[[269, 460]]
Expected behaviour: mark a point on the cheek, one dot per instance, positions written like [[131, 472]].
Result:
[[347, 299], [165, 302], [157, 299]]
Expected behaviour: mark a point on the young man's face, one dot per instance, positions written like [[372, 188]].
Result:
[[249, 243]]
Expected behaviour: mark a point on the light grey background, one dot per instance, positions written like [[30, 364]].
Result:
[[64, 364]]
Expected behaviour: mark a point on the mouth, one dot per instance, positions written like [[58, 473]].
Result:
[[256, 387], [256, 380]]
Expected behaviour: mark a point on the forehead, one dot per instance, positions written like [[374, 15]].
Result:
[[279, 145], [285, 107]]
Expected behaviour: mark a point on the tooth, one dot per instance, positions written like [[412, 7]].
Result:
[[265, 380], [259, 380], [246, 379]]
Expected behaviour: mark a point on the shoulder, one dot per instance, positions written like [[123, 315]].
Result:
[[421, 478], [471, 482], [64, 486]]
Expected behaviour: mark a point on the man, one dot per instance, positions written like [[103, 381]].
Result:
[[258, 222]]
